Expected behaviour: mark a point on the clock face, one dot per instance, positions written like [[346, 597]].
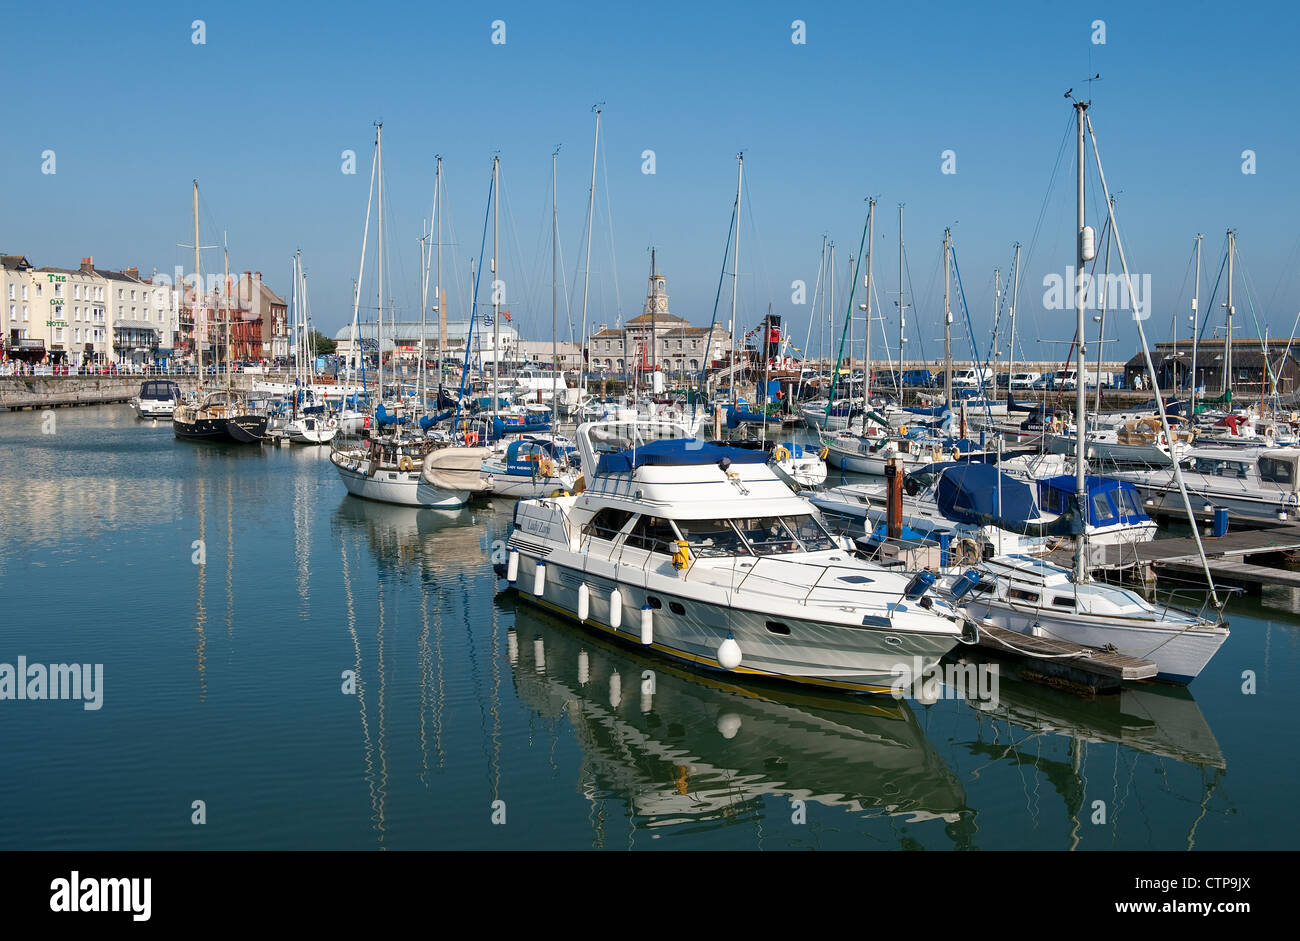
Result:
[[661, 303]]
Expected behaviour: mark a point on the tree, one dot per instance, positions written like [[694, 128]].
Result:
[[322, 345]]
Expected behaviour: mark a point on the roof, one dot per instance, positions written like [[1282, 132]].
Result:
[[664, 318], [14, 262]]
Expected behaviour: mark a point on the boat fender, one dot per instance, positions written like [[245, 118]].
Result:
[[512, 566], [615, 609], [539, 578], [729, 653], [682, 557], [968, 551], [584, 601], [647, 625]]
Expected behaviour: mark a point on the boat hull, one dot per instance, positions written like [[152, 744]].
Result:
[[403, 488]]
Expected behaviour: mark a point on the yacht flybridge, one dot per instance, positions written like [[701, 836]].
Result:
[[703, 554]]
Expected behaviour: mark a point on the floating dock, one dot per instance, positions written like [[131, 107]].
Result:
[[1060, 662]]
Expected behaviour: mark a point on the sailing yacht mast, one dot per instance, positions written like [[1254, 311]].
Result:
[[1085, 252], [947, 319], [198, 291], [902, 308], [735, 272], [1227, 349], [1011, 346], [496, 293], [870, 285], [586, 271], [555, 343], [1196, 304], [437, 284], [379, 329]]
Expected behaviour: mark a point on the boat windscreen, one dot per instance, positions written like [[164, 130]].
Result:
[[767, 535]]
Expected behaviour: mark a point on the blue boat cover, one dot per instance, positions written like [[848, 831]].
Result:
[[383, 417], [1120, 496], [676, 452], [969, 493]]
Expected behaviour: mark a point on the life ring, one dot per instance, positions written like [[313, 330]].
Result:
[[333, 422], [471, 438], [968, 551], [902, 430], [546, 466], [404, 463], [782, 453]]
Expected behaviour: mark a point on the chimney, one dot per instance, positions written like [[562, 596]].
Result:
[[257, 276], [133, 272], [88, 264]]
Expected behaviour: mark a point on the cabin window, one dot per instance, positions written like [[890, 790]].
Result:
[[607, 523], [1019, 594], [776, 627], [711, 538], [1275, 471], [767, 535], [1130, 505], [654, 602], [810, 532], [1101, 508], [676, 607], [1063, 601], [654, 534]]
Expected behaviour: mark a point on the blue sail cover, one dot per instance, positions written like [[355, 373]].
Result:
[[969, 493], [676, 452], [383, 417]]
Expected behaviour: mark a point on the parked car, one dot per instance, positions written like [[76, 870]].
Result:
[[918, 378], [1065, 380], [1024, 380]]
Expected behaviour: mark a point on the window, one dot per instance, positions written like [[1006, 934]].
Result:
[[58, 290], [654, 534], [76, 292], [13, 315], [711, 538], [676, 607], [767, 535], [24, 292], [810, 533], [1275, 471], [24, 313], [1063, 601], [38, 289], [11, 291], [654, 602], [1019, 594], [777, 627], [1101, 508], [607, 523]]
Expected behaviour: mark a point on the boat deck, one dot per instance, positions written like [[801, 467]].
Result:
[[1076, 663]]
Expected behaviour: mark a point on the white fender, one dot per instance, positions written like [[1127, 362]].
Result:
[[539, 578], [615, 609], [584, 602], [647, 625], [512, 566], [729, 655]]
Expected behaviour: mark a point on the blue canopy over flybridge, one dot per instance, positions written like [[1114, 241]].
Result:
[[1109, 501], [676, 452]]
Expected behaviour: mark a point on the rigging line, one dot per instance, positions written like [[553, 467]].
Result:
[[473, 312], [1146, 352], [1047, 195], [1214, 292], [848, 316], [609, 219], [929, 294], [970, 330], [1248, 283], [757, 245], [708, 346], [512, 232]]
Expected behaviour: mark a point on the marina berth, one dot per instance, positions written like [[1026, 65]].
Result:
[[701, 553]]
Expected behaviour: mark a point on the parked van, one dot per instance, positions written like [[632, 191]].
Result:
[[970, 378]]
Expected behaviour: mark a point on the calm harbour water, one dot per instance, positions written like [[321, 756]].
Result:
[[223, 682]]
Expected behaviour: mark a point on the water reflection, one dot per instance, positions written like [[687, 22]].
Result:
[[1155, 720], [687, 750]]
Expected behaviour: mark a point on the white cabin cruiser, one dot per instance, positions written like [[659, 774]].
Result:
[[701, 553], [1251, 484], [157, 399], [409, 471], [1034, 597]]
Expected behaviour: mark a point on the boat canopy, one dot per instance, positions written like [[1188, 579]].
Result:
[[1109, 501], [676, 452], [160, 389], [972, 494]]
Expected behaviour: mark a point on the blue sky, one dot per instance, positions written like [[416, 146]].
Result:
[[261, 113]]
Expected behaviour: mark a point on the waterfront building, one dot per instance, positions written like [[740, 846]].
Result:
[[1250, 379], [657, 337], [402, 340]]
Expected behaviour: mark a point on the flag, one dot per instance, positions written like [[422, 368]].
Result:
[[506, 314], [487, 320]]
